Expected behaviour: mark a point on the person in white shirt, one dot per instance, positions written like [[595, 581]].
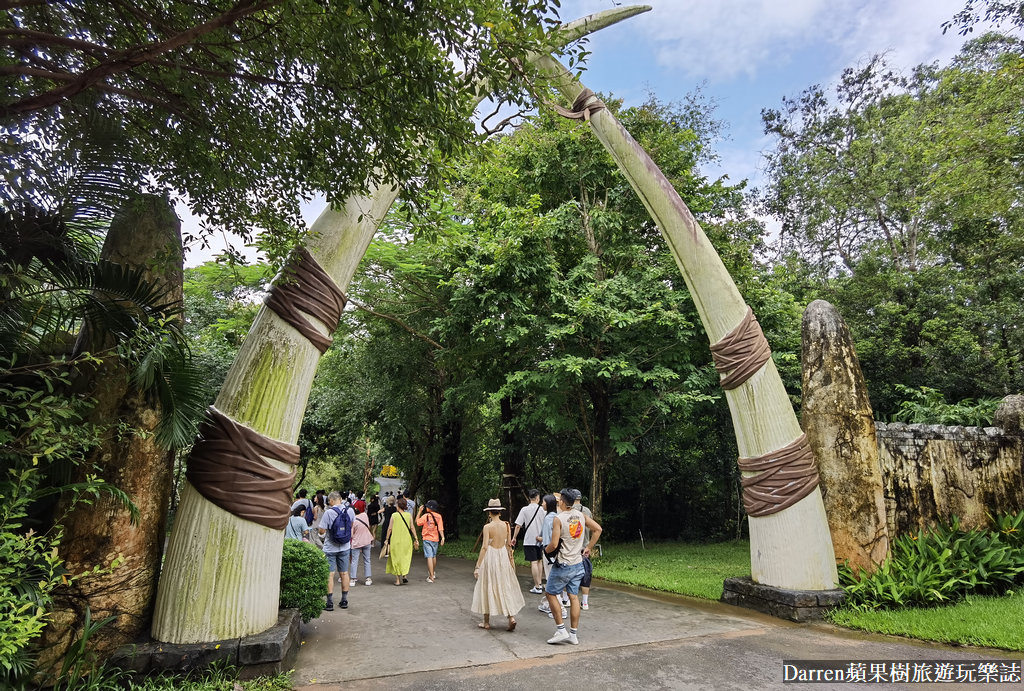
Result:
[[531, 521]]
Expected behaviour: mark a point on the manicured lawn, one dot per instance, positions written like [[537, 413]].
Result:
[[993, 622], [697, 570]]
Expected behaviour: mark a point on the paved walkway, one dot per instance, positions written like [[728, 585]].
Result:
[[423, 636]]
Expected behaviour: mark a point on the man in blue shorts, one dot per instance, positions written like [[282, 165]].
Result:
[[567, 572], [337, 554]]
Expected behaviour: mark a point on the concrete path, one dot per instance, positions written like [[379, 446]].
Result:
[[423, 636]]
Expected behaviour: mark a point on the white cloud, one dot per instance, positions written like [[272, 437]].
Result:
[[721, 40], [909, 32]]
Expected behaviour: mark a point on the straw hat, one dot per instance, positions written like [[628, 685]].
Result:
[[494, 505]]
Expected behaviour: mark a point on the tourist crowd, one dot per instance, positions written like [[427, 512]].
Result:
[[558, 534]]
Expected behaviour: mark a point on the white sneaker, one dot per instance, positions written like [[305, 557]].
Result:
[[544, 607], [565, 614], [561, 636], [352, 584], [573, 639], [368, 582], [536, 590], [584, 605]]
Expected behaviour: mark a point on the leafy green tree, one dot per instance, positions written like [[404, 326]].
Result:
[[543, 294], [900, 203], [998, 12], [619, 351], [221, 301], [249, 107]]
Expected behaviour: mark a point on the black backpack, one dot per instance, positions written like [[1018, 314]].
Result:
[[341, 526]]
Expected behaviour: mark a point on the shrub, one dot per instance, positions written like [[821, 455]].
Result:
[[928, 406], [304, 573], [941, 566]]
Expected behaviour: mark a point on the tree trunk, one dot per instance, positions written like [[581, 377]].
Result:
[[448, 498], [789, 549], [147, 233], [513, 460], [601, 456], [221, 578]]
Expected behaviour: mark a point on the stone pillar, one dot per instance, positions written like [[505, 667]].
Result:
[[840, 427]]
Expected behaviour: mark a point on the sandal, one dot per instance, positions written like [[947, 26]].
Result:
[[511, 623], [484, 626]]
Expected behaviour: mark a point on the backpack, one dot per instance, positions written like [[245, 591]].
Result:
[[309, 512], [341, 526]]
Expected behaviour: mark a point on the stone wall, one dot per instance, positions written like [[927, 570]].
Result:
[[933, 472]]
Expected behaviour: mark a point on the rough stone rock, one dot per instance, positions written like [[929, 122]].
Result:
[[840, 428], [1010, 414]]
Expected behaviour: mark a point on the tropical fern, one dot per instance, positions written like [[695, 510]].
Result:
[[928, 406]]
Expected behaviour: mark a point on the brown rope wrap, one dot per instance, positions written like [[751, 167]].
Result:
[[304, 286], [786, 476], [741, 352], [585, 105], [226, 467]]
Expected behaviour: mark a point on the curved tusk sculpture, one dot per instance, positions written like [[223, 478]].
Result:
[[789, 548]]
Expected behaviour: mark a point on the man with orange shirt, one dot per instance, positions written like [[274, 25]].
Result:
[[433, 534]]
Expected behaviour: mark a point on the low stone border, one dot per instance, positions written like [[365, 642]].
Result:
[[267, 653], [794, 605]]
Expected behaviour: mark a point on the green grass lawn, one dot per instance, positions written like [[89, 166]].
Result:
[[675, 567], [698, 570], [993, 622]]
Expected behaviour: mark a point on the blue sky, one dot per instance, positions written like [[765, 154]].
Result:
[[746, 55]]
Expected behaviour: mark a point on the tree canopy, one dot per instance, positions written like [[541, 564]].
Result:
[[249, 107], [533, 323], [900, 203]]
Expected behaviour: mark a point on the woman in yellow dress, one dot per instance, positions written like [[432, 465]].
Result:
[[401, 539], [497, 589]]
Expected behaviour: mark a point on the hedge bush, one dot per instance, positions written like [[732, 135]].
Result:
[[304, 573]]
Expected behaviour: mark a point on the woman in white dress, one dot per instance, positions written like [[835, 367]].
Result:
[[497, 589]]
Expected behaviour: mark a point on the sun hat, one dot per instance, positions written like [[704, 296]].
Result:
[[432, 505], [494, 505]]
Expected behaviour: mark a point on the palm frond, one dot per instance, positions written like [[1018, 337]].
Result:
[[182, 393]]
